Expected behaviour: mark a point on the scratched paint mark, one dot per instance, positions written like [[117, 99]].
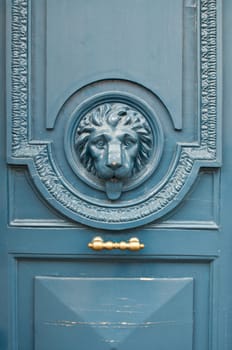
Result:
[[111, 341], [108, 310], [129, 312], [113, 325]]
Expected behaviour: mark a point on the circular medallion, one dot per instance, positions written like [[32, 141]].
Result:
[[114, 145], [112, 169]]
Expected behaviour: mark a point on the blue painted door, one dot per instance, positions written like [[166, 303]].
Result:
[[115, 175]]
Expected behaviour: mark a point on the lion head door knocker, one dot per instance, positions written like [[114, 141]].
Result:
[[114, 143]]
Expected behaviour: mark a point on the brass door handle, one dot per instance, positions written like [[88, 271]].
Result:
[[133, 244]]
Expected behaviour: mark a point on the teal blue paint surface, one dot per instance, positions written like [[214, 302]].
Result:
[[59, 61]]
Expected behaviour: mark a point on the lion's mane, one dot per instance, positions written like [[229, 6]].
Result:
[[114, 115]]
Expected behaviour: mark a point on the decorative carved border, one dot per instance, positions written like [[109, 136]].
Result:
[[208, 76], [180, 178], [113, 215], [19, 76]]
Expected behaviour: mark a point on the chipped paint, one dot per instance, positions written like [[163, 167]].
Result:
[[113, 325]]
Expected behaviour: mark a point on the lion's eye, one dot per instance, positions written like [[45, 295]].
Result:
[[100, 143], [129, 141]]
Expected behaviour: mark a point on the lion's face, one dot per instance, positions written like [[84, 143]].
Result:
[[113, 151], [113, 142]]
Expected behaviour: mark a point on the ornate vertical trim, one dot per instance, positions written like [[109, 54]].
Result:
[[19, 76], [208, 76]]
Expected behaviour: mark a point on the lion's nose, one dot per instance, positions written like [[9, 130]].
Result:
[[114, 157], [114, 165]]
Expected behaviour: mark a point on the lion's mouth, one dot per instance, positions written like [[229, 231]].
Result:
[[114, 179], [113, 188]]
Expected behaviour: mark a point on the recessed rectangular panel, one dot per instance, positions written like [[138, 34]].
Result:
[[141, 55], [200, 208], [113, 313], [26, 206], [89, 40], [45, 315]]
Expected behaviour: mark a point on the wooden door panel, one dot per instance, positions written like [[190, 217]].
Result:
[[75, 64], [181, 290], [45, 125], [188, 214]]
